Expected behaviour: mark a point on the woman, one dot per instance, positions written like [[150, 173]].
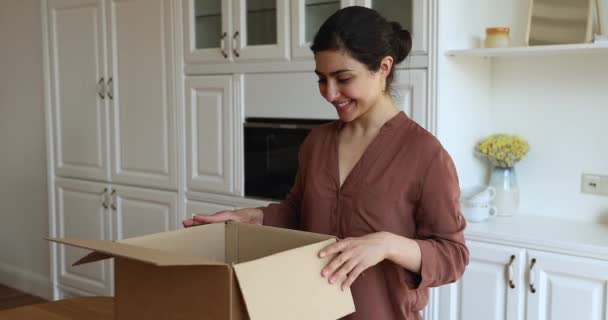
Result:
[[375, 178]]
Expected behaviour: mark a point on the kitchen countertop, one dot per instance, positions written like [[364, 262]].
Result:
[[578, 238]]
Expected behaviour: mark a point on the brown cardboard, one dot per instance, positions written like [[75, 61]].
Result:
[[221, 271]]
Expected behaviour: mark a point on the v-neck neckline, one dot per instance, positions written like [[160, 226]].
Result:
[[371, 147]]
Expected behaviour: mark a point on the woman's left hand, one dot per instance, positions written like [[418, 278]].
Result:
[[354, 256]]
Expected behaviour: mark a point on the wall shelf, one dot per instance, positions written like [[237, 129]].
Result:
[[531, 50]]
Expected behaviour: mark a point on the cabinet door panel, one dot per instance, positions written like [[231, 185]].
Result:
[[266, 95], [78, 95], [261, 30], [567, 287], [207, 31], [411, 14], [307, 16], [409, 94], [138, 211], [81, 214], [142, 95], [484, 291], [210, 137]]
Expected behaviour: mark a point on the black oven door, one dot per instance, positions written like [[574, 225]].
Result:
[[271, 155]]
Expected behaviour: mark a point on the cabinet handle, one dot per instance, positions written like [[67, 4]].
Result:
[[235, 44], [100, 89], [113, 195], [511, 272], [111, 88], [104, 194], [222, 45], [532, 289]]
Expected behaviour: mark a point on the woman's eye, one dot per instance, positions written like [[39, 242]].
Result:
[[322, 81], [345, 80]]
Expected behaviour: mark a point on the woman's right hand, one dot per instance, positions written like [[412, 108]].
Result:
[[246, 215]]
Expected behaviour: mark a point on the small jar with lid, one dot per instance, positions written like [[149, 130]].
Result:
[[497, 37]]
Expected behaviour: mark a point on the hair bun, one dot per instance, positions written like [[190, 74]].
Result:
[[402, 42]]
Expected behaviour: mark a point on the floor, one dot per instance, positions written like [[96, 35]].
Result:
[[11, 298]]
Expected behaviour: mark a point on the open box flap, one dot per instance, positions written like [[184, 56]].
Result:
[[206, 241], [104, 249], [289, 284]]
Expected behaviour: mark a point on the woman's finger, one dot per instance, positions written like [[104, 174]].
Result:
[[352, 276], [335, 264], [188, 223], [334, 248], [216, 218], [344, 270]]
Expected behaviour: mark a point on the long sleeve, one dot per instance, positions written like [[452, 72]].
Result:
[[440, 225]]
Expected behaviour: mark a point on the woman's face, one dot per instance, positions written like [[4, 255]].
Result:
[[347, 84]]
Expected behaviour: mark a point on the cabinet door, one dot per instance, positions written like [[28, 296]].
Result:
[[77, 88], [81, 214], [141, 93], [307, 16], [210, 140], [207, 30], [492, 285], [562, 287], [261, 30], [410, 94], [139, 211], [413, 15]]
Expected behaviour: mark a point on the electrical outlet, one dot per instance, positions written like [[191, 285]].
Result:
[[595, 184]]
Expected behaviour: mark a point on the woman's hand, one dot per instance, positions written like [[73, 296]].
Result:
[[246, 215], [354, 256]]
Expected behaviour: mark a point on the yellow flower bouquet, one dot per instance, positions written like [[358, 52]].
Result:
[[502, 150]]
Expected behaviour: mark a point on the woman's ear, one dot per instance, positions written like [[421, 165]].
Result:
[[386, 65]]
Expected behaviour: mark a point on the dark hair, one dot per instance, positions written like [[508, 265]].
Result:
[[366, 36]]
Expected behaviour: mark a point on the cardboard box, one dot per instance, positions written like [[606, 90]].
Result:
[[221, 271]]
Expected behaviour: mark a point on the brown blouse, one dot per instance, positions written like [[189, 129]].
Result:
[[404, 183]]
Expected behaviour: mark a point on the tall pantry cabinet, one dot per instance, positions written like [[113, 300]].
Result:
[[111, 120]]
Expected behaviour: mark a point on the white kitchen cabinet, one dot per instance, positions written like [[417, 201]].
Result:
[[409, 92], [138, 211], [307, 16], [239, 30], [509, 282], [82, 212], [78, 78], [111, 82], [413, 15], [213, 120], [562, 287], [492, 286], [300, 89], [91, 210], [235, 30]]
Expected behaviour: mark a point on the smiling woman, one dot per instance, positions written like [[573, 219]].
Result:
[[374, 178]]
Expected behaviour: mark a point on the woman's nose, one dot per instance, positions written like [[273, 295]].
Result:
[[331, 92]]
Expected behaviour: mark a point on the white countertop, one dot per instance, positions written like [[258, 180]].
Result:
[[544, 233]]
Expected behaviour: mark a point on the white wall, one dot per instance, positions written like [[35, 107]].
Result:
[[24, 254], [558, 103]]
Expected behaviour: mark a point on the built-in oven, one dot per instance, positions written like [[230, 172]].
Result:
[[271, 154]]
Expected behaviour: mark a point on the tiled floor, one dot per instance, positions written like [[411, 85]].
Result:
[[11, 298]]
